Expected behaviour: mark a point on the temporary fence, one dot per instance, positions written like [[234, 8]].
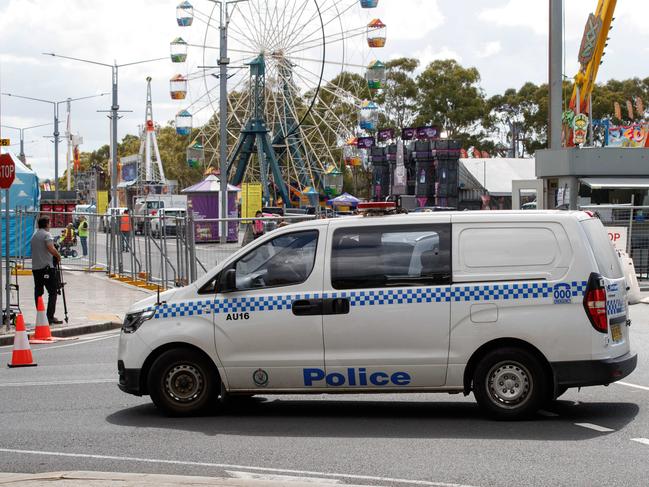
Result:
[[150, 251], [628, 228]]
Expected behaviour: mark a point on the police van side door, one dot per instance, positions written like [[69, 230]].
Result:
[[265, 332], [388, 289]]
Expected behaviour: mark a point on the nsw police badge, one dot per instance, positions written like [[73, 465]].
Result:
[[260, 377]]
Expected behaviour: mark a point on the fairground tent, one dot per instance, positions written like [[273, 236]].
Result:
[[24, 198]]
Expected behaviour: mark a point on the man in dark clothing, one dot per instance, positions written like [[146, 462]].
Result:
[[44, 260]]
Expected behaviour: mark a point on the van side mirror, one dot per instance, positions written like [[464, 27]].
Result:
[[227, 281]]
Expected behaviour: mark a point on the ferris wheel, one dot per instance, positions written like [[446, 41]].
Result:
[[292, 104]]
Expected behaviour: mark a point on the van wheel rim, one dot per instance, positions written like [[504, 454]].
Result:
[[509, 384], [184, 383]]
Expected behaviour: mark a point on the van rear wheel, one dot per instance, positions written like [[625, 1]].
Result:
[[183, 383], [509, 383]]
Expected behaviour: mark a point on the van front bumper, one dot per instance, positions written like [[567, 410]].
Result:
[[129, 379], [594, 372]]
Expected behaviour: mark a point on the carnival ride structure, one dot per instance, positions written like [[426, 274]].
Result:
[[290, 93]]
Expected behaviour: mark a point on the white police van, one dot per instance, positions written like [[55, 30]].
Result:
[[515, 307]]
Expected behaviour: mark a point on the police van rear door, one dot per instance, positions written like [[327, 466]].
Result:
[[387, 304]]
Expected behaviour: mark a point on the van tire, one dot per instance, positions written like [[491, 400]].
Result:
[[183, 383], [510, 383]]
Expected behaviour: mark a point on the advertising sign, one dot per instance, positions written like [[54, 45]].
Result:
[[408, 134], [250, 199], [629, 136], [424, 133], [365, 142], [580, 128], [385, 134]]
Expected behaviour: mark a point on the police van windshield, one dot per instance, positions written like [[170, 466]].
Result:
[[607, 260]]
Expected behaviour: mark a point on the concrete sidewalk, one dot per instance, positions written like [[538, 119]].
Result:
[[95, 303], [103, 479]]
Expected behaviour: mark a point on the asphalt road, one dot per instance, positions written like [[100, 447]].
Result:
[[67, 414]]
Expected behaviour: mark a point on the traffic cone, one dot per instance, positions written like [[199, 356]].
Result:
[[42, 333], [22, 354]]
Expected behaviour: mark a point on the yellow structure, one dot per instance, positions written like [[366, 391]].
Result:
[[590, 54]]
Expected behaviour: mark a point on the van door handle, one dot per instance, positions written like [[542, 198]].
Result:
[[307, 307], [336, 306]]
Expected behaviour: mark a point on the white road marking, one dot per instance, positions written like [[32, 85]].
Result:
[[76, 343], [644, 441], [636, 386], [58, 382], [233, 467], [595, 427], [548, 414], [281, 478]]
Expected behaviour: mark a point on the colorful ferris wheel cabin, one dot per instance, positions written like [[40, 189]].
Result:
[[185, 14], [375, 76], [178, 50], [183, 122], [369, 3], [368, 116], [178, 87], [376, 33]]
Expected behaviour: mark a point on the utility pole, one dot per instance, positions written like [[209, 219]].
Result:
[[21, 131], [114, 113], [555, 82], [223, 62]]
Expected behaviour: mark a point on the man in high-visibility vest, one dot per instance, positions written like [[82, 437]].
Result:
[[83, 234], [125, 230]]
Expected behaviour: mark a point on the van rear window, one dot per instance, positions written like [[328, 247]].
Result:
[[607, 260]]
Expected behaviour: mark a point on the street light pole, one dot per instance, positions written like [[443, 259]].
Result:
[[21, 131], [114, 113], [223, 61], [55, 105]]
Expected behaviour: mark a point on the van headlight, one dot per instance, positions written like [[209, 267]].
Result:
[[133, 321]]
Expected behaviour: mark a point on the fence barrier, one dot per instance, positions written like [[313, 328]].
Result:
[[164, 251], [628, 228]]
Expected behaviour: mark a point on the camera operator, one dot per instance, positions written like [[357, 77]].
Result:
[[45, 258]]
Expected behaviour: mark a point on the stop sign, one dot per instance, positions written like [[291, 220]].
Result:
[[7, 171]]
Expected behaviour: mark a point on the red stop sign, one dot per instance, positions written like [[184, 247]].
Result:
[[7, 171]]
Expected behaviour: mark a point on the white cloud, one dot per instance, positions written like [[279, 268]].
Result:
[[489, 49], [414, 21], [430, 54]]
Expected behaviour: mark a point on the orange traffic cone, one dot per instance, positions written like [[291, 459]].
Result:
[[22, 354], [42, 334]]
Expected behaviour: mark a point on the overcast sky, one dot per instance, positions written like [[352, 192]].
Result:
[[505, 39]]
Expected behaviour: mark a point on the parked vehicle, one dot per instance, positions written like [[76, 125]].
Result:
[[166, 221], [150, 204], [512, 306]]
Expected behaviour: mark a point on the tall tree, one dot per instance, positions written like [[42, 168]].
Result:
[[450, 96], [399, 97]]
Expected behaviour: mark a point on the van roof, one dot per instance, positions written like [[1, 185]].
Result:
[[457, 216]]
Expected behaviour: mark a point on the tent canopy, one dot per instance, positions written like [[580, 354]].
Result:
[[345, 199], [24, 195], [211, 184]]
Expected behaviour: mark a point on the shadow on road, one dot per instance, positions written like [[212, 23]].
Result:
[[382, 419]]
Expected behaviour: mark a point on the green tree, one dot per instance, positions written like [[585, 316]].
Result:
[[398, 99], [450, 96]]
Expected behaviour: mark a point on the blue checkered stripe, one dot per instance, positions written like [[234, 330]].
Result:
[[578, 288], [615, 307], [377, 297], [497, 292]]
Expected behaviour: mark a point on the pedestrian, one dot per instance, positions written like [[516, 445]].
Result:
[[258, 225], [83, 234], [45, 258], [125, 230]]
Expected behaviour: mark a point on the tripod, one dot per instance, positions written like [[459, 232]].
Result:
[[61, 290]]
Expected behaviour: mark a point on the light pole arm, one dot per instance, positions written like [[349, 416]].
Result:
[[76, 59], [29, 98], [142, 62]]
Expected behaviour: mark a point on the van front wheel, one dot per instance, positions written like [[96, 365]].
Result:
[[182, 383], [509, 383]]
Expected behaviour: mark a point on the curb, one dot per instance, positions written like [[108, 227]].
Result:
[[69, 331]]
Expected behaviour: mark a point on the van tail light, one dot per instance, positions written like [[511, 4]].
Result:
[[595, 303], [154, 212]]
